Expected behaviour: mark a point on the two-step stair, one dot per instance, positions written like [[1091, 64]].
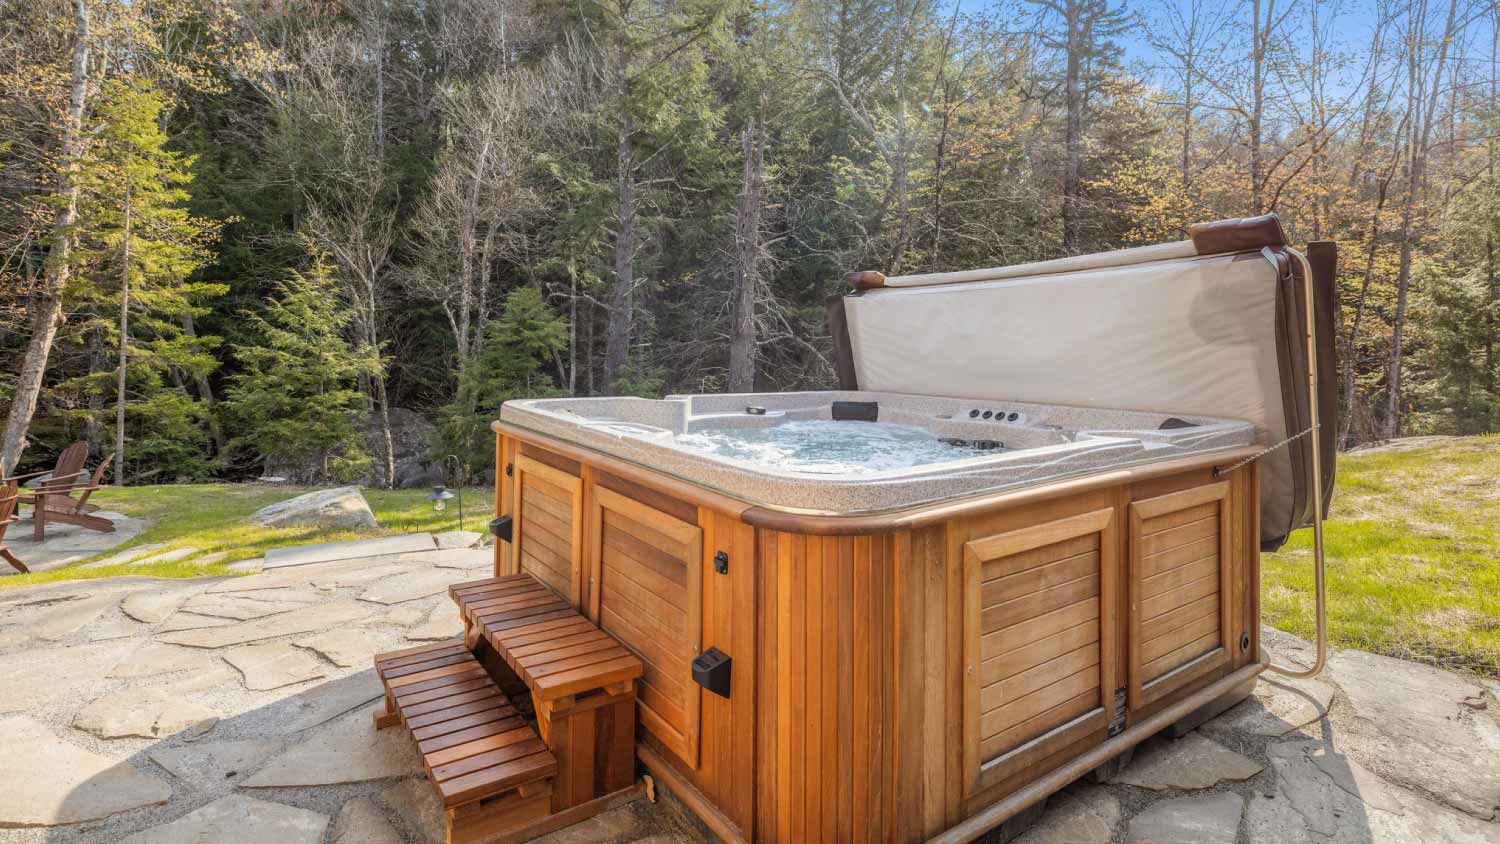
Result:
[[501, 778]]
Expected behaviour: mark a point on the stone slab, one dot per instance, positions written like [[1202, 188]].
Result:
[[215, 762], [273, 665], [443, 622], [1278, 706], [345, 647], [48, 781], [239, 607], [152, 606], [1413, 727], [304, 620], [360, 576], [127, 555], [191, 621], [1081, 816], [1191, 762], [1322, 796], [1214, 819], [152, 711], [347, 750], [418, 807], [238, 819], [67, 544], [116, 628], [458, 538], [68, 617], [301, 555], [326, 701], [401, 588], [360, 821], [153, 659], [42, 678], [458, 558]]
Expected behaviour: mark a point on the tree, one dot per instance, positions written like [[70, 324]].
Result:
[[295, 400], [48, 314], [1087, 26], [651, 58], [133, 226], [517, 346]]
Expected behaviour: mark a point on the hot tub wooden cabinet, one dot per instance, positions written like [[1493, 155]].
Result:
[[895, 674]]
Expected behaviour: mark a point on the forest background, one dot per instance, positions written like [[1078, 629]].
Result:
[[241, 236]]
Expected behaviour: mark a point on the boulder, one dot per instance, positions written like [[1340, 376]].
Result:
[[411, 441], [340, 507]]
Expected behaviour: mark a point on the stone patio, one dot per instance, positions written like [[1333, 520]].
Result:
[[236, 710], [67, 544]]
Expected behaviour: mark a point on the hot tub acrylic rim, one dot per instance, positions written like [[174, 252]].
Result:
[[1086, 439], [870, 493], [957, 497]]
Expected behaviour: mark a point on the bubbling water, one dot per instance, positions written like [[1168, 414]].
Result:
[[826, 447]]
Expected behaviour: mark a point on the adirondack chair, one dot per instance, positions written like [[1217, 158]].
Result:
[[52, 499], [9, 500]]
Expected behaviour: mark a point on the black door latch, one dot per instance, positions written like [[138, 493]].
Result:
[[721, 562]]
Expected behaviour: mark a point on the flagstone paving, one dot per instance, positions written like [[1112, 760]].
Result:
[[237, 710], [67, 544]]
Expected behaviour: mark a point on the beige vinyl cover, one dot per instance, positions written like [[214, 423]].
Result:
[[1181, 333]]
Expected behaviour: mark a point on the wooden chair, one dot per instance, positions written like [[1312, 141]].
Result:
[[52, 499], [9, 499]]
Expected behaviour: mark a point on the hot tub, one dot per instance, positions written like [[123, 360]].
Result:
[[936, 610], [841, 453]]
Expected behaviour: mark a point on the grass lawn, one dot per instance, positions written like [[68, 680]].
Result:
[[1413, 550], [215, 517]]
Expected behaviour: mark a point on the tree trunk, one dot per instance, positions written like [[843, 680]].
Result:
[[1421, 134], [48, 314], [1073, 140], [621, 317], [124, 344], [1257, 101], [747, 254]]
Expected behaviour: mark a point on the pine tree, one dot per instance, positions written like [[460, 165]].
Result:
[[138, 249], [528, 335], [295, 400]]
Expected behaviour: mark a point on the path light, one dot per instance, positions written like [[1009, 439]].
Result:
[[439, 498]]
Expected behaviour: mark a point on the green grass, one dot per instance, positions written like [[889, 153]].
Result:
[[1413, 552], [215, 517]]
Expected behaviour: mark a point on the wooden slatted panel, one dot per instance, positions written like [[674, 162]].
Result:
[[1039, 646], [647, 592], [1179, 600], [1038, 659], [1179, 587], [548, 526], [826, 694]]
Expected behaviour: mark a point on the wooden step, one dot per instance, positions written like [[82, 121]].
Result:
[[489, 767]]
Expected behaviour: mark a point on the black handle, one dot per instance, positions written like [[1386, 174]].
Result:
[[501, 528]]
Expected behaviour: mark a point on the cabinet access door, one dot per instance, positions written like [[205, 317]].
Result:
[[1039, 648], [1180, 626], [647, 574], [548, 526]]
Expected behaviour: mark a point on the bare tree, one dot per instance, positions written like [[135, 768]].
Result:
[[749, 251], [1426, 60], [1086, 23], [47, 311]]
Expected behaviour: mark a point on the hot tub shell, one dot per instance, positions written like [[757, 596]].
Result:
[[915, 657]]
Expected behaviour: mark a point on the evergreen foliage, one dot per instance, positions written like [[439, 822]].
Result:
[[294, 401]]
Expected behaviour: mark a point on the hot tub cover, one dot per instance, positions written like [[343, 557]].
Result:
[[1213, 325]]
